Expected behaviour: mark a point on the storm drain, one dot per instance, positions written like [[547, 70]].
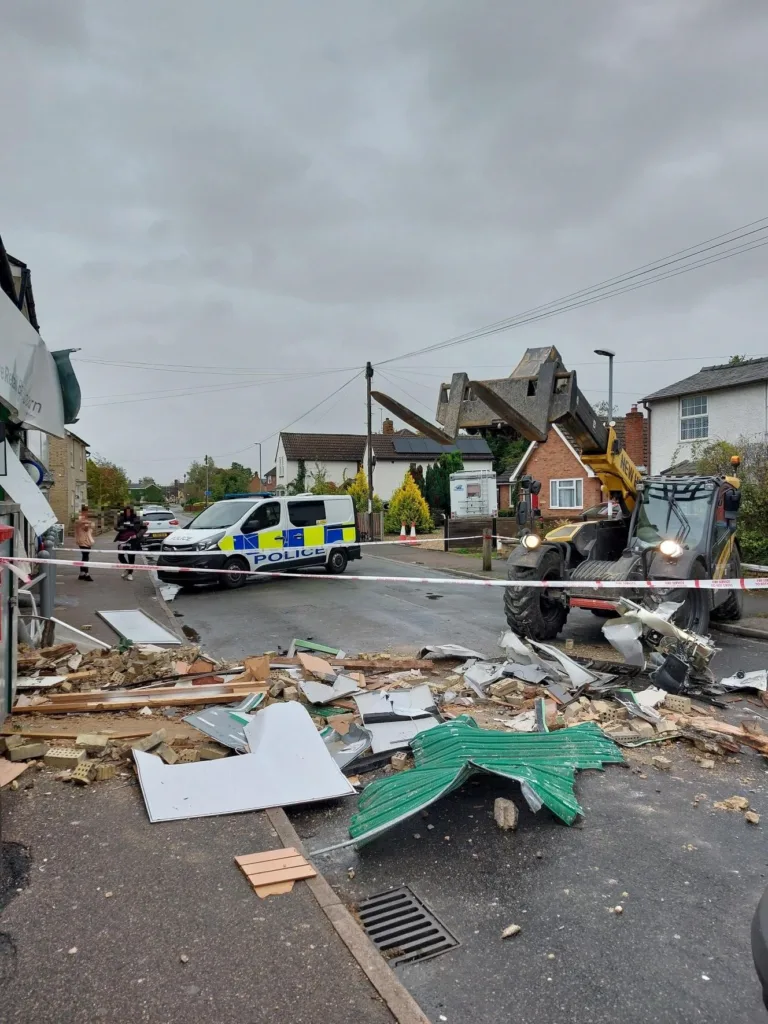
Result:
[[403, 927]]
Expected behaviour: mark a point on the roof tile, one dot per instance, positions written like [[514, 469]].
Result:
[[715, 378]]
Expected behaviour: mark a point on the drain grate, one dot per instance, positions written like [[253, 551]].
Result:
[[403, 927]]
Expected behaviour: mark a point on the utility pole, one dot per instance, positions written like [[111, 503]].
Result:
[[206, 481], [368, 378]]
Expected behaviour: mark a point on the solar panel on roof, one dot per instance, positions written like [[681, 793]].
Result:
[[425, 446]]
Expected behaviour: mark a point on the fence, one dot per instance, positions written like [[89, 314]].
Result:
[[376, 521], [467, 531]]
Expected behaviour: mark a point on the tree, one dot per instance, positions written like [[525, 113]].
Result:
[[438, 483], [507, 451], [417, 472], [299, 483], [737, 360], [147, 481], [407, 505], [358, 492], [197, 475], [234, 480], [714, 459], [107, 484], [601, 408], [153, 494], [320, 482]]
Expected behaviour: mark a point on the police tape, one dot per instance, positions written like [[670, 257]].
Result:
[[395, 542], [756, 583]]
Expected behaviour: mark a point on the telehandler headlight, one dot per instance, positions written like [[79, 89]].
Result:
[[670, 549], [531, 541]]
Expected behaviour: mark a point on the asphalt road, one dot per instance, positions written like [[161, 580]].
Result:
[[693, 874], [268, 613]]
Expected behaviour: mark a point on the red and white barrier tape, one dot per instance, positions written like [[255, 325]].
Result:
[[758, 583], [347, 543]]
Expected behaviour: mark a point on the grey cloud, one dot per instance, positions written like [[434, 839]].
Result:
[[253, 185]]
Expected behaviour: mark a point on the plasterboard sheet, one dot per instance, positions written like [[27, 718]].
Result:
[[288, 764], [399, 702], [136, 626], [397, 735], [322, 693]]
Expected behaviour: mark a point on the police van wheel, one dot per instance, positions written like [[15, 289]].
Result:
[[337, 561], [231, 579]]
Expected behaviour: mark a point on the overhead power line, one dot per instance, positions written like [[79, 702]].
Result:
[[682, 261]]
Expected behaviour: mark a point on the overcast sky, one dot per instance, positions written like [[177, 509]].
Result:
[[244, 191]]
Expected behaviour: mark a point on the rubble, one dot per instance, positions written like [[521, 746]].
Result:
[[377, 708]]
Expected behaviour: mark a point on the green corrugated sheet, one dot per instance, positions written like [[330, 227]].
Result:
[[543, 763]]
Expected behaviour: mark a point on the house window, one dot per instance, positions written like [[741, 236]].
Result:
[[72, 454], [694, 418], [566, 493], [281, 467]]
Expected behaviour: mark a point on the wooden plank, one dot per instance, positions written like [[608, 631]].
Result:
[[267, 855], [185, 699], [290, 874], [254, 872]]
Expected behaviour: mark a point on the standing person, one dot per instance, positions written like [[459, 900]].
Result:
[[129, 531], [84, 540]]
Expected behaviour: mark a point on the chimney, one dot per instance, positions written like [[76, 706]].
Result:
[[634, 431], [388, 427]]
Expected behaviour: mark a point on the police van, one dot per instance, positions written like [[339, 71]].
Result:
[[262, 533]]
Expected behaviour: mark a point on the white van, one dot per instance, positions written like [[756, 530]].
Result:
[[262, 533]]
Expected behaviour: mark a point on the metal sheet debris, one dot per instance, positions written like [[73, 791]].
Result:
[[624, 636], [395, 717], [288, 764], [757, 680], [481, 674], [226, 725], [575, 673], [543, 763], [169, 590], [438, 651], [135, 625], [344, 749]]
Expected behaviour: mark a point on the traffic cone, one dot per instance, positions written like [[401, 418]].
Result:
[[402, 532], [412, 538]]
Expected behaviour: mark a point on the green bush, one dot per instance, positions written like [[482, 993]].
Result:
[[407, 505]]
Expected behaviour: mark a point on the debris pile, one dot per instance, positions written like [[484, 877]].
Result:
[[277, 730]]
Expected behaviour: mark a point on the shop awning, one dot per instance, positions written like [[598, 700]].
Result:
[[21, 488], [29, 379]]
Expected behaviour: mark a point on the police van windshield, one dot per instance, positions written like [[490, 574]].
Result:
[[220, 515]]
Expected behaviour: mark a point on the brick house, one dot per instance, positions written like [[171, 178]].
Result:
[[67, 458], [568, 487]]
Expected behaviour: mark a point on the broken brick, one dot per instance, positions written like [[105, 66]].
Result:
[[102, 772], [662, 763], [211, 753], [150, 742], [64, 757], [26, 751], [168, 754], [505, 814], [92, 742], [83, 773]]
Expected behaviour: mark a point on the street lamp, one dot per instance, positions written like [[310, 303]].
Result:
[[610, 356], [258, 444]]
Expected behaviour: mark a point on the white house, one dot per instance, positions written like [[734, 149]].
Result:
[[395, 452], [338, 455], [719, 403]]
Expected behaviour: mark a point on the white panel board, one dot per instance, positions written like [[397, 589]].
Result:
[[21, 488], [288, 764]]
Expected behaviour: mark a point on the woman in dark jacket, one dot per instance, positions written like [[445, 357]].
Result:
[[129, 533]]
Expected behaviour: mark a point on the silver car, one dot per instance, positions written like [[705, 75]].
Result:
[[159, 522]]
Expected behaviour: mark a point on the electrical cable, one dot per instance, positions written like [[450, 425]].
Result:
[[612, 286]]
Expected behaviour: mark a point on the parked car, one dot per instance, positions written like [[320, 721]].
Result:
[[160, 523], [760, 944]]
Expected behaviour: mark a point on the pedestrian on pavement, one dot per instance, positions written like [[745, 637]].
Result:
[[129, 533], [84, 540]]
